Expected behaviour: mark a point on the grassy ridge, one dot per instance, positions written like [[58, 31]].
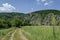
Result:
[[41, 32]]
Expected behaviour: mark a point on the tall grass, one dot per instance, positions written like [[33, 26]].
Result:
[[41, 32], [4, 32]]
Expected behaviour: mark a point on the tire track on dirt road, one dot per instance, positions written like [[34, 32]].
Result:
[[12, 36], [22, 35]]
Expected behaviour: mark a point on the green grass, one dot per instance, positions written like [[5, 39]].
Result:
[[8, 36], [41, 32], [4, 33], [7, 33], [33, 33]]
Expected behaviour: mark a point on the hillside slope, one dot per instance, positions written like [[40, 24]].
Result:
[[42, 17]]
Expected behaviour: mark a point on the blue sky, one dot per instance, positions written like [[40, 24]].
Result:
[[25, 6]]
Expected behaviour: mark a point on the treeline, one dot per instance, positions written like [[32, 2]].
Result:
[[12, 22]]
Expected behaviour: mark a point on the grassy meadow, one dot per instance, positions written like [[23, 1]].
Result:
[[41, 32], [5, 33], [32, 33]]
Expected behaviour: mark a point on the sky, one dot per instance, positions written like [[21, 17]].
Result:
[[26, 6]]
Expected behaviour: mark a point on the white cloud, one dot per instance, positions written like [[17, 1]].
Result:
[[48, 3], [43, 0], [7, 8]]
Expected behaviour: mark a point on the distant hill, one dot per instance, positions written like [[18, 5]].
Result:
[[42, 17]]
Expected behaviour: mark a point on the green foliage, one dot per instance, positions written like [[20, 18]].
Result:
[[3, 22], [15, 22], [53, 21], [58, 22], [14, 19]]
